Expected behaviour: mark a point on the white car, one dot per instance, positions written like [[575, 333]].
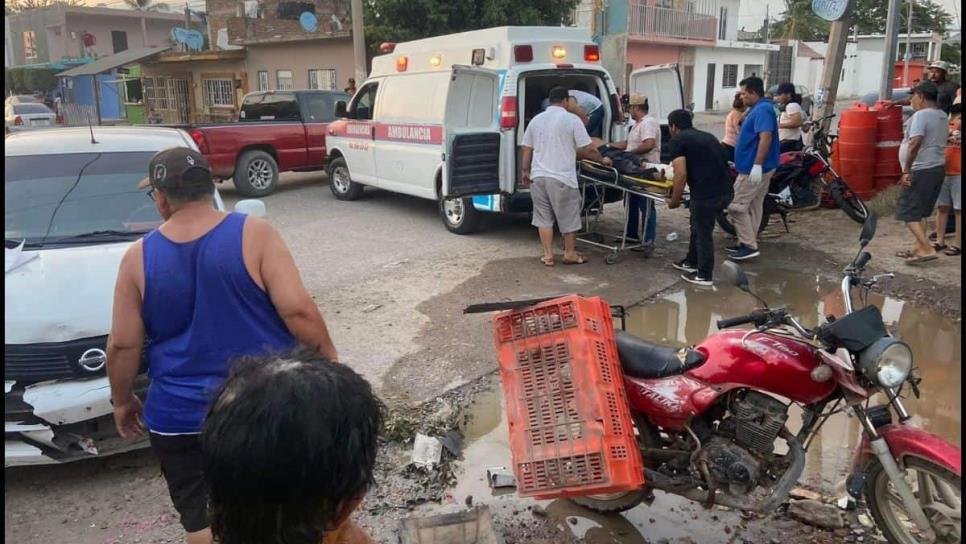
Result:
[[72, 209], [21, 99], [25, 116]]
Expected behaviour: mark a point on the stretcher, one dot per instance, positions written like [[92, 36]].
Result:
[[601, 184]]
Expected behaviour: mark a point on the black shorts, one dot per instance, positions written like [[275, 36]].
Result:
[[918, 200], [183, 469]]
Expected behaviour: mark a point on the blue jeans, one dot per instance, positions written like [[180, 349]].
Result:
[[637, 206], [595, 123]]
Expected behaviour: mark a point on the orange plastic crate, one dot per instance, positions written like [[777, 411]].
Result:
[[571, 431]]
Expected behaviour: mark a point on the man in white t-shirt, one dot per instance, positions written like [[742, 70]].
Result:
[[791, 119], [552, 143], [644, 139]]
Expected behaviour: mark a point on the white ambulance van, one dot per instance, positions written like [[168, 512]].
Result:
[[443, 118]]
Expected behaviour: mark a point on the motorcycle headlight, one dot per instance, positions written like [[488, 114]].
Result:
[[888, 362]]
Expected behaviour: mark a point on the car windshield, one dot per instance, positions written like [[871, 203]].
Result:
[[77, 198], [31, 108]]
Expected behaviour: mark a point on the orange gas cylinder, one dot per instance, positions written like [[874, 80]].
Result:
[[857, 147], [888, 138]]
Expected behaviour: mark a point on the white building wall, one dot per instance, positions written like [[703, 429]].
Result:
[[719, 56], [731, 25]]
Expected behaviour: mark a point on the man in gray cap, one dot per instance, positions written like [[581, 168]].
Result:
[[203, 289]]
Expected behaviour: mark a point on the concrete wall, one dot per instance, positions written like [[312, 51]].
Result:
[[65, 39], [300, 57], [731, 25], [719, 56], [648, 54], [195, 72], [18, 23]]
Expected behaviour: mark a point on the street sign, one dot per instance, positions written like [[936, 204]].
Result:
[[830, 10]]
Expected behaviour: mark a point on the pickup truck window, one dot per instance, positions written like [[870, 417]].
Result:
[[320, 107], [365, 101], [270, 107]]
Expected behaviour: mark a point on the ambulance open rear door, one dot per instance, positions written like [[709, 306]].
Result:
[[472, 146]]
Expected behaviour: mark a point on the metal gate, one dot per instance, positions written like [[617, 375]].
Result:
[[180, 99], [779, 66]]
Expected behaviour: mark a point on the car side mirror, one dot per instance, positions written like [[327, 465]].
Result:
[[340, 109], [690, 107], [252, 207], [868, 230], [736, 276]]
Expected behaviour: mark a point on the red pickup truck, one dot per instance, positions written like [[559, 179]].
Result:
[[276, 131]]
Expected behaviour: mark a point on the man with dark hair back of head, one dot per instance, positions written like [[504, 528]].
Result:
[[203, 289], [756, 158], [289, 449], [700, 162], [552, 143], [924, 170]]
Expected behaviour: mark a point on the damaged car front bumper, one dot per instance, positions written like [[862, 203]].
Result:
[[62, 420]]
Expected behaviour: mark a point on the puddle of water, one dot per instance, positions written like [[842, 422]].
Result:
[[687, 316]]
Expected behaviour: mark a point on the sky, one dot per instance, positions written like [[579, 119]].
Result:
[[752, 12]]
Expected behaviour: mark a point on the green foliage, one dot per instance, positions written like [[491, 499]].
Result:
[[17, 77], [403, 20], [798, 22], [25, 80]]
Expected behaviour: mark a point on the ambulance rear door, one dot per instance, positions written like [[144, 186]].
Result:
[[472, 135], [662, 86]]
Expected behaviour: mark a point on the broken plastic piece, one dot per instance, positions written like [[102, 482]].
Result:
[[427, 451], [500, 477]]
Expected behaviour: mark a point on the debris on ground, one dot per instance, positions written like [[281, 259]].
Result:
[[500, 477], [816, 513], [427, 451]]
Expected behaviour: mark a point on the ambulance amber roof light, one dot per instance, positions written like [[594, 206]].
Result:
[[402, 63], [387, 47], [522, 53], [591, 53]]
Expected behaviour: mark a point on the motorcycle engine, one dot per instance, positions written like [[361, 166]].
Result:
[[738, 452]]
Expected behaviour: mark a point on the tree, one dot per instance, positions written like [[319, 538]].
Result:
[[403, 20], [146, 5], [18, 6], [798, 22]]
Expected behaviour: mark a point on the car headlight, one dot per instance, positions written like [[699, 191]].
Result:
[[888, 361]]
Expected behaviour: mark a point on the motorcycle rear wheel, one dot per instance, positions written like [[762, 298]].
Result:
[[848, 201], [889, 513], [619, 502]]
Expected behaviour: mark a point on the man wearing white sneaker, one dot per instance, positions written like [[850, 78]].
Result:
[[756, 158]]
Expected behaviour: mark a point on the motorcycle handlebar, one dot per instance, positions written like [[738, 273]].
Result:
[[754, 317], [863, 260]]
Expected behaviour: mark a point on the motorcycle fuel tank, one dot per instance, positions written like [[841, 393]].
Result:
[[767, 362]]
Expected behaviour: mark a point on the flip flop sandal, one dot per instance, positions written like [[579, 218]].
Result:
[[939, 247], [919, 260], [953, 251], [933, 236], [580, 260], [546, 261], [905, 254]]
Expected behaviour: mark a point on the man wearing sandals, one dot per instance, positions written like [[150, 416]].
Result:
[[923, 170], [552, 143]]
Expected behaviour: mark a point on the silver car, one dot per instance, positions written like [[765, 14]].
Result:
[[27, 115]]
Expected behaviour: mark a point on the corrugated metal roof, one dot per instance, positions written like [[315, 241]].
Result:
[[107, 64]]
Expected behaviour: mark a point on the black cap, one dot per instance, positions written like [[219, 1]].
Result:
[[176, 167], [785, 88], [927, 89]]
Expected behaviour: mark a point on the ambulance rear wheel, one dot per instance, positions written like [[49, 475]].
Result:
[[459, 216], [340, 181]]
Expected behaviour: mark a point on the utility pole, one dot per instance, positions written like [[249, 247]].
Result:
[[187, 25], [834, 59], [889, 57], [908, 55], [767, 18], [358, 41]]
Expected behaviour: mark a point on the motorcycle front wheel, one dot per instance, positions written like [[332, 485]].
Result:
[[939, 492], [848, 201]]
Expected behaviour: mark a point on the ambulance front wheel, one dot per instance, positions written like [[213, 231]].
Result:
[[340, 182], [459, 216]]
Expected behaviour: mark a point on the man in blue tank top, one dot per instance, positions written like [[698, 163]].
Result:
[[204, 289]]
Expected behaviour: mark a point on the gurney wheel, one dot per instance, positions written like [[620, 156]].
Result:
[[612, 258]]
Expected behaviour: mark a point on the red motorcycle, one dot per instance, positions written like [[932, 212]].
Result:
[[708, 419]]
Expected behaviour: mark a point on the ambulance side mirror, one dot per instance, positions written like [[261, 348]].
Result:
[[340, 108]]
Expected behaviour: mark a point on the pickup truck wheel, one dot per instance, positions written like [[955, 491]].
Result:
[[256, 174], [340, 181], [459, 216]]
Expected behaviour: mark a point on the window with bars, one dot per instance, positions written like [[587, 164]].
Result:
[[218, 92], [729, 75], [29, 44], [285, 79], [322, 79], [156, 92], [263, 80]]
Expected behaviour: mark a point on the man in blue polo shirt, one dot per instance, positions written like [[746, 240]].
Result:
[[756, 158]]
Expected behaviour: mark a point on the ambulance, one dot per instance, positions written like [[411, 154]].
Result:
[[443, 118]]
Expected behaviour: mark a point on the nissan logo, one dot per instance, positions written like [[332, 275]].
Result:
[[93, 359]]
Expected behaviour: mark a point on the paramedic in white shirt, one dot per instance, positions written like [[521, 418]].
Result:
[[791, 119], [644, 139], [586, 106], [552, 143]]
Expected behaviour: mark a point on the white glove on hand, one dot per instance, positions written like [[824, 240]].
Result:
[[755, 176]]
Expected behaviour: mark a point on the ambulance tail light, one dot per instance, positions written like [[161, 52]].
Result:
[[508, 112], [591, 53], [200, 141], [523, 53]]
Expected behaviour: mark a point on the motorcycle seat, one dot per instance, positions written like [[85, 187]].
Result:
[[642, 359]]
